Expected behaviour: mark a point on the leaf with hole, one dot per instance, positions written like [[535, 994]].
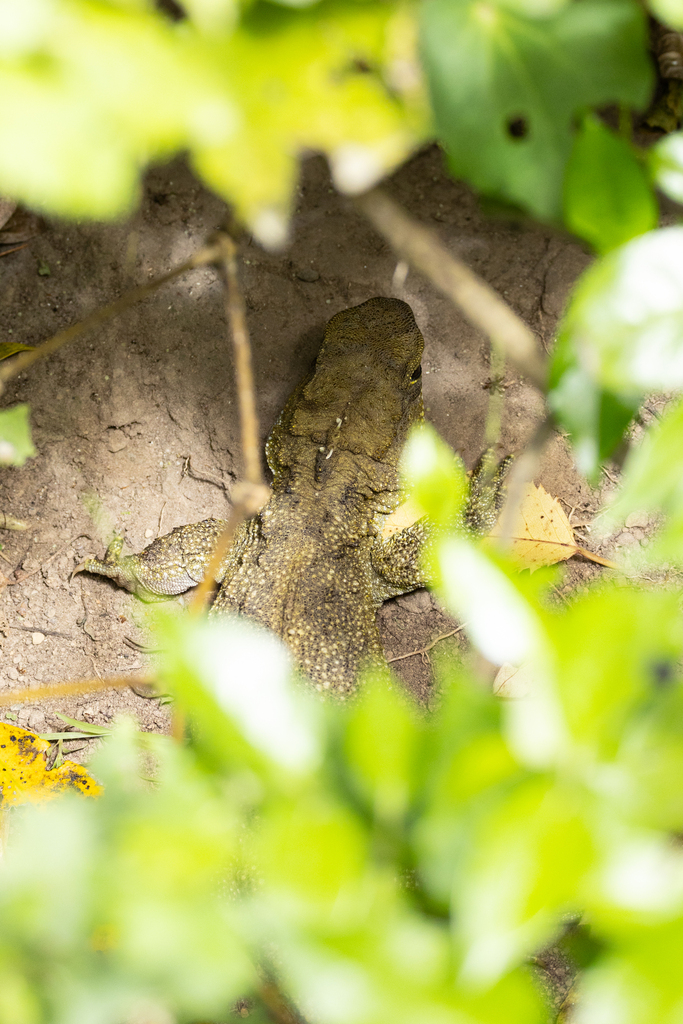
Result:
[[505, 88]]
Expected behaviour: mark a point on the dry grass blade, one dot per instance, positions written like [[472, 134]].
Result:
[[423, 650], [8, 522], [32, 695]]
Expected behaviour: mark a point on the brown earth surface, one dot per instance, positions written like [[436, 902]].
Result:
[[135, 424]]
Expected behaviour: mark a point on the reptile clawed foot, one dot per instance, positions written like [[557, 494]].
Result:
[[487, 492], [113, 566]]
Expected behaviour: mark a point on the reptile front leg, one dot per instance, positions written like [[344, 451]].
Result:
[[398, 561], [169, 565]]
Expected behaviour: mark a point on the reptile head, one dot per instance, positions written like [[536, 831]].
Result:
[[364, 393]]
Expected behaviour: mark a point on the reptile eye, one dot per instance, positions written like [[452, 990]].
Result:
[[417, 373]]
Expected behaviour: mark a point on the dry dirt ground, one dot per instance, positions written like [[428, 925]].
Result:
[[135, 424]]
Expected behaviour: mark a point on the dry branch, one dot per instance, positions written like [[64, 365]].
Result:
[[207, 255], [236, 317], [248, 495], [480, 303]]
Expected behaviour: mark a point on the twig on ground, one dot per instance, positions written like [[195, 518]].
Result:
[[8, 522], [22, 361], [55, 554], [15, 248], [31, 695], [428, 647], [480, 303], [40, 629], [141, 648], [610, 476]]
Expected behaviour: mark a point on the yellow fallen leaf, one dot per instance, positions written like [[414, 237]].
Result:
[[404, 516], [541, 533], [24, 776], [10, 348], [513, 681]]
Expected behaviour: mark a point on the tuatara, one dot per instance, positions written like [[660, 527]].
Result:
[[313, 565]]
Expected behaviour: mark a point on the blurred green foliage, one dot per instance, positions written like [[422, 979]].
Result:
[[15, 436], [378, 862], [607, 195], [93, 91]]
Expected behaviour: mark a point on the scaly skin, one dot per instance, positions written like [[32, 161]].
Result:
[[312, 565]]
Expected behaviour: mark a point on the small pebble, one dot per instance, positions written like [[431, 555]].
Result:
[[37, 721], [149, 533], [625, 538], [307, 274], [37, 638], [116, 441], [640, 519]]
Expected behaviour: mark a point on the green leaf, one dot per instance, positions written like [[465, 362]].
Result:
[[383, 762], [529, 856], [434, 476], [653, 481], [119, 87], [666, 162], [265, 722], [595, 418], [625, 321], [502, 623], [212, 15], [607, 197], [621, 338], [299, 79], [505, 88], [16, 445], [312, 847], [609, 647], [639, 983], [670, 12], [651, 754], [466, 764]]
